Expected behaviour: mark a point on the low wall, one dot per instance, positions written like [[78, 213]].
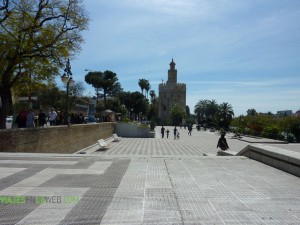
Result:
[[279, 158], [56, 139], [133, 130], [282, 159]]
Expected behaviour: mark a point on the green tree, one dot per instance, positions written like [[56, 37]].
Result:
[[106, 81], [4, 10], [251, 112], [52, 96], [109, 83], [225, 114], [177, 113], [200, 110], [212, 109], [94, 78], [43, 32], [153, 111], [139, 103], [143, 84], [147, 88], [294, 127], [76, 93], [152, 95], [187, 110], [134, 102]]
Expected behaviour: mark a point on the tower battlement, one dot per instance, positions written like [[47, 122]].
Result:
[[169, 93]]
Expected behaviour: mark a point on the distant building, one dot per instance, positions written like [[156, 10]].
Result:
[[171, 92], [285, 113], [297, 114]]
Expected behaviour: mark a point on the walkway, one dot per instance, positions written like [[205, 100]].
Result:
[[147, 181]]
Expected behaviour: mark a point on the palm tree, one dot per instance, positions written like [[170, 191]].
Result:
[[225, 113], [152, 95], [200, 109], [212, 109], [142, 84], [147, 87]]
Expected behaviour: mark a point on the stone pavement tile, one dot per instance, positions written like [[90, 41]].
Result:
[[19, 176], [86, 219], [226, 204], [240, 217], [129, 192], [161, 204], [56, 191], [40, 162], [103, 192], [158, 184], [291, 206], [81, 181], [278, 217], [162, 217], [93, 203], [15, 190], [133, 184], [13, 213], [159, 193], [11, 170], [201, 205], [45, 216], [116, 217], [126, 203], [199, 216]]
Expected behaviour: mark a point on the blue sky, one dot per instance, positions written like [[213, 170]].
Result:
[[246, 53]]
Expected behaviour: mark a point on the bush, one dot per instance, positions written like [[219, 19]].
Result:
[[270, 132], [152, 124], [290, 138], [125, 120]]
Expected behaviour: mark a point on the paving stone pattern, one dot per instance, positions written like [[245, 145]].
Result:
[[149, 181]]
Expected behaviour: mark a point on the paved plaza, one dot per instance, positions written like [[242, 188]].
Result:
[[148, 181]]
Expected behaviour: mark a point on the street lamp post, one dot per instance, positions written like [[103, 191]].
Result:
[[68, 80]]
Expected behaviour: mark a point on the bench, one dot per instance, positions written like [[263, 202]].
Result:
[[103, 144], [116, 137]]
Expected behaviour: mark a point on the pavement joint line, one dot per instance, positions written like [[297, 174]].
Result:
[[155, 181], [182, 220]]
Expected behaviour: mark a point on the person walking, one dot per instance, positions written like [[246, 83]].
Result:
[[162, 131], [190, 128], [42, 118], [52, 117], [222, 143], [30, 119], [167, 133], [21, 119], [175, 132]]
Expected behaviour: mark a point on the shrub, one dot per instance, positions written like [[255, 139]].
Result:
[[125, 120], [152, 124], [270, 132]]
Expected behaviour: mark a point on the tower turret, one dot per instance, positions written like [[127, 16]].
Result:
[[172, 73]]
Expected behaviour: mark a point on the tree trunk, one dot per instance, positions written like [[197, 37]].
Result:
[[5, 94], [104, 96]]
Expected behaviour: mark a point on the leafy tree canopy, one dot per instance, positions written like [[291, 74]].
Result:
[[106, 81], [177, 113], [35, 38]]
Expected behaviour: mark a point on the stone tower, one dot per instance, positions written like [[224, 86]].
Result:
[[169, 93]]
